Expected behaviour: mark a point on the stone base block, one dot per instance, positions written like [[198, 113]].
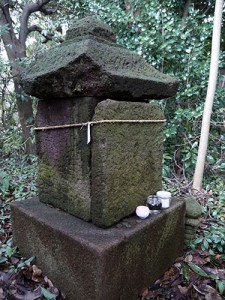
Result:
[[92, 263]]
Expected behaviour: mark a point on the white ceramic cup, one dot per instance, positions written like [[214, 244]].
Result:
[[142, 211], [165, 198]]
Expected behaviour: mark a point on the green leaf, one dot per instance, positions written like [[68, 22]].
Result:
[[3, 259], [195, 144], [26, 262], [10, 251], [198, 270], [205, 244], [211, 252], [199, 240], [220, 248], [47, 294], [220, 284], [186, 272], [29, 260]]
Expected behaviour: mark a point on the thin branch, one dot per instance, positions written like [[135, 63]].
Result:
[[186, 9], [9, 37], [207, 9], [48, 37], [185, 12], [34, 28], [27, 11], [5, 11], [48, 11]]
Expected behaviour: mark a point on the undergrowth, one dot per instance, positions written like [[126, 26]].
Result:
[[20, 278]]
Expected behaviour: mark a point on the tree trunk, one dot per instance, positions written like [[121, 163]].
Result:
[[185, 12], [202, 150], [186, 9], [17, 51], [23, 101], [25, 113]]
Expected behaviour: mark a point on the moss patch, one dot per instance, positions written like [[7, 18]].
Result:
[[90, 63], [126, 160], [64, 171], [193, 208], [64, 192]]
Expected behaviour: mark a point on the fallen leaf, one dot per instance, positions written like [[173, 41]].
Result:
[[179, 259], [170, 275], [183, 289], [36, 271], [2, 296], [198, 260], [213, 296], [207, 289], [37, 274], [27, 271], [199, 290], [48, 281], [188, 258], [14, 260]]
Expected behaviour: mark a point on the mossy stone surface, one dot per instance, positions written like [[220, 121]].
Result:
[[90, 63], [126, 159], [193, 208], [64, 167], [90, 26], [91, 263], [190, 228], [192, 222], [189, 237]]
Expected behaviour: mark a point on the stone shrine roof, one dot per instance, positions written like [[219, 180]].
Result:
[[90, 63]]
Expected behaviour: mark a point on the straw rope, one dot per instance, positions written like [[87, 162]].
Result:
[[97, 122]]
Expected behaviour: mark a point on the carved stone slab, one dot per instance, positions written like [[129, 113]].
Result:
[[126, 159]]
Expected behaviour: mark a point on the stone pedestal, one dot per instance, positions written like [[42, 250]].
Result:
[[91, 263]]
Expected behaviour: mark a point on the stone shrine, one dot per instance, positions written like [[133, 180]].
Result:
[[99, 143]]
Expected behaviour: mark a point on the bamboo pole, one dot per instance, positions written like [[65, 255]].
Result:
[[203, 144]]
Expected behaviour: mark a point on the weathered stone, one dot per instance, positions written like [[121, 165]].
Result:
[[64, 167], [193, 208], [90, 27], [187, 243], [89, 63], [91, 263], [189, 237], [126, 159], [190, 229], [192, 222]]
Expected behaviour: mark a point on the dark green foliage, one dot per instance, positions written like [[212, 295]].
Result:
[[180, 47], [212, 238], [17, 170]]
